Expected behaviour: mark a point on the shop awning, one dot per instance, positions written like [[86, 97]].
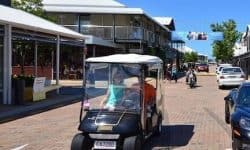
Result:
[[24, 20]]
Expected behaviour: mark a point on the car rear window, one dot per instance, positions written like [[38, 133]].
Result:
[[231, 70]]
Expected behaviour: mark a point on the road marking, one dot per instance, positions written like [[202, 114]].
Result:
[[20, 147], [228, 148]]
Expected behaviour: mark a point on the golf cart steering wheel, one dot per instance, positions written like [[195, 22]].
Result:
[[132, 101], [128, 104]]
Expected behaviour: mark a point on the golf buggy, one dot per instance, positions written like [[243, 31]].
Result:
[[122, 104]]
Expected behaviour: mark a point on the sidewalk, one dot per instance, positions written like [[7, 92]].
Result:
[[12, 112]]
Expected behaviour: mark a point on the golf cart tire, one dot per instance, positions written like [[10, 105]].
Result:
[[158, 129], [79, 142], [227, 115], [132, 143], [236, 144]]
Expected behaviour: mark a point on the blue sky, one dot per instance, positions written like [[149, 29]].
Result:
[[197, 15]]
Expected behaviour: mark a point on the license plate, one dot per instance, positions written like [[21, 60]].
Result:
[[105, 145], [232, 76]]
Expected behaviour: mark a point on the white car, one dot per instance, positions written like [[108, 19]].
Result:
[[219, 71], [230, 76], [222, 65]]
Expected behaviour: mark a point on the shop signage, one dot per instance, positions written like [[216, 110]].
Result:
[[38, 88]]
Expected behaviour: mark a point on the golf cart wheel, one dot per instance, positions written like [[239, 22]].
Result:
[[159, 126], [220, 87], [132, 143], [236, 144], [227, 114], [79, 142]]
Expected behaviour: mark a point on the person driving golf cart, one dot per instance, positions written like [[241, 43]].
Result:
[[123, 106], [115, 91]]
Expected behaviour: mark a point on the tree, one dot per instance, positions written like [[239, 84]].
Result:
[[190, 57], [223, 50], [32, 6]]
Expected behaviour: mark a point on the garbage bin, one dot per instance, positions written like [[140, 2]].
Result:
[[18, 89]]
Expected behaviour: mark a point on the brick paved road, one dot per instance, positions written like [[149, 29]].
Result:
[[194, 120], [195, 117]]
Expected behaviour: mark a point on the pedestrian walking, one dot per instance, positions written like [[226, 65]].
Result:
[[168, 72], [174, 73]]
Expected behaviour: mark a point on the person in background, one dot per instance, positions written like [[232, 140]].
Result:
[[190, 70], [168, 72], [174, 73]]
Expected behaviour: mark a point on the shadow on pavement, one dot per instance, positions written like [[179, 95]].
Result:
[[229, 87], [198, 86], [171, 136]]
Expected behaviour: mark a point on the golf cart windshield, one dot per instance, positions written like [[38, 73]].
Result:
[[113, 86]]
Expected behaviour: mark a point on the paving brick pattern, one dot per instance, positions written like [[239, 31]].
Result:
[[194, 120]]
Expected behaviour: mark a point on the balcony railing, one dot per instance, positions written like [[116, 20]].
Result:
[[128, 33], [121, 33], [104, 32]]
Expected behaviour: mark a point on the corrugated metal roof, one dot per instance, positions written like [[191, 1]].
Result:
[[21, 19], [84, 3], [188, 49], [164, 20], [126, 58], [92, 10]]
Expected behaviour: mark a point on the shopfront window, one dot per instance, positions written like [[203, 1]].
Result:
[[1, 63], [23, 57], [71, 63]]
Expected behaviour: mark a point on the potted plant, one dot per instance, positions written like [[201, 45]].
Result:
[[22, 88]]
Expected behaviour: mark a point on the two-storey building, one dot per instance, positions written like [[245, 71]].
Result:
[[130, 30]]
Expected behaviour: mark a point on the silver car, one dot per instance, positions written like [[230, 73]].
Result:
[[230, 76]]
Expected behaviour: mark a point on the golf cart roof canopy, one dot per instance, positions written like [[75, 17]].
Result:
[[126, 58]]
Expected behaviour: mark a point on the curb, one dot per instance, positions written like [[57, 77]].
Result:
[[32, 110]]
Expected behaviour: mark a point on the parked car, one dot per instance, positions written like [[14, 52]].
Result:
[[203, 67], [237, 113], [230, 100], [220, 66], [230, 76]]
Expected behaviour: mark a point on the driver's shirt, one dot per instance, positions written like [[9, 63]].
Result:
[[116, 93]]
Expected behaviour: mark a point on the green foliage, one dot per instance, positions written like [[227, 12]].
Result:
[[29, 79], [223, 50], [32, 6], [190, 57], [161, 53], [151, 51]]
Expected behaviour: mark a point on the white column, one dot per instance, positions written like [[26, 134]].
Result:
[[52, 65], [36, 46], [57, 61], [85, 49], [7, 69]]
